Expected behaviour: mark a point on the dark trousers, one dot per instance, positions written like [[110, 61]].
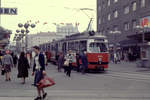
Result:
[[84, 68], [68, 70], [78, 67]]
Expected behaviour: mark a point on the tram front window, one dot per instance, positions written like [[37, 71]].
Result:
[[97, 47]]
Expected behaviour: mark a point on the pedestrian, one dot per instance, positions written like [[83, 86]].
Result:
[[15, 59], [45, 58], [39, 72], [60, 61], [48, 56], [7, 63], [69, 58], [126, 56], [78, 61], [28, 56], [84, 62], [23, 67], [115, 58], [1, 55]]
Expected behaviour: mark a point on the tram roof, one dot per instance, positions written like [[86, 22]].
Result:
[[84, 35], [80, 36]]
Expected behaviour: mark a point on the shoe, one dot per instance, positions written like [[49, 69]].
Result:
[[6, 80], [38, 98], [44, 95], [9, 79], [22, 82]]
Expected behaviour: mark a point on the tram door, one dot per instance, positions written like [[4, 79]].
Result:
[[64, 48]]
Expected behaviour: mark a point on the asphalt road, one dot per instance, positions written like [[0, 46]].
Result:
[[121, 82]]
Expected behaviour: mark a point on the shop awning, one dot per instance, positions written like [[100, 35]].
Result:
[[128, 42], [139, 36]]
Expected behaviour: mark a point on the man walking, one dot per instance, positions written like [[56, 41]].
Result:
[[84, 62], [60, 61]]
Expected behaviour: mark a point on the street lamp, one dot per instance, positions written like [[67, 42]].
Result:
[[21, 36], [26, 26], [17, 38]]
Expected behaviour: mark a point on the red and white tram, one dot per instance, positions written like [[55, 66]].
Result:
[[95, 45]]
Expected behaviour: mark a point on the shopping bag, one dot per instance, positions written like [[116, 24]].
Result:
[[2, 71], [46, 82]]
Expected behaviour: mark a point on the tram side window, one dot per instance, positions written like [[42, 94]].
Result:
[[77, 46], [83, 45], [71, 45], [53, 48]]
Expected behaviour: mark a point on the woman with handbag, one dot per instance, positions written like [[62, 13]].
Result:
[[39, 72], [7, 63], [68, 61]]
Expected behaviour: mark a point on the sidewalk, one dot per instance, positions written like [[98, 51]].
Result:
[[128, 67]]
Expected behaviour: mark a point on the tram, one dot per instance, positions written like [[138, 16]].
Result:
[[94, 44]]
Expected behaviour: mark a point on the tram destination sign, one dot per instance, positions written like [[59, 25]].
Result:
[[8, 11]]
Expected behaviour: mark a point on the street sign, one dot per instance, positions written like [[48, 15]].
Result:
[[8, 11]]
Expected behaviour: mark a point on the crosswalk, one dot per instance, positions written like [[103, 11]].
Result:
[[131, 76], [82, 95]]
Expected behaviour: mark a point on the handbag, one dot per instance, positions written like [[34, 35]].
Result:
[[2, 71], [46, 82], [66, 63]]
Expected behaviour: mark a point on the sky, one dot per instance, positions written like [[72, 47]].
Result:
[[49, 11]]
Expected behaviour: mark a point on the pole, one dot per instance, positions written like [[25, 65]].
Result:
[[26, 41], [22, 44], [115, 47], [0, 14], [143, 35]]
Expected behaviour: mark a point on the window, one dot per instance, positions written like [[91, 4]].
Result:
[[126, 10], [109, 16], [134, 6], [99, 8], [103, 4], [103, 20], [83, 45], [133, 24], [126, 26], [115, 14], [115, 1], [115, 28], [96, 47], [99, 21], [142, 3], [108, 2]]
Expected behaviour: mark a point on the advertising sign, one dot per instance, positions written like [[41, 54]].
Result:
[[8, 11], [145, 21]]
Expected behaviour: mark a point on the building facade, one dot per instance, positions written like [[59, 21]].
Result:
[[121, 15], [66, 29], [42, 37]]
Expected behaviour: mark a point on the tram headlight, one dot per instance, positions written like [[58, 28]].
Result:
[[99, 60]]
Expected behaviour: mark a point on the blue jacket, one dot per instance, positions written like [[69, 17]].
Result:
[[84, 60], [41, 62]]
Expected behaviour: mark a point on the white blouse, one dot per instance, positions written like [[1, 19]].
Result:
[[37, 63]]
